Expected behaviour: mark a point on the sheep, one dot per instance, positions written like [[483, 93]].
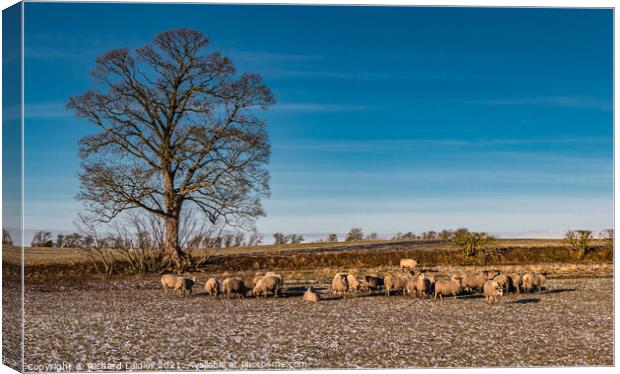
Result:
[[533, 282], [268, 283], [516, 282], [408, 263], [411, 286], [185, 284], [354, 284], [340, 284], [373, 282], [423, 286], [504, 281], [213, 286], [490, 274], [234, 285], [473, 281], [168, 281], [451, 287], [492, 290], [272, 274], [394, 282], [256, 278], [311, 296]]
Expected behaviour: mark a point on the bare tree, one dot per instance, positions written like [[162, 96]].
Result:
[[295, 238], [6, 237], [255, 238], [372, 236], [279, 238], [177, 127], [355, 234], [42, 239], [332, 238]]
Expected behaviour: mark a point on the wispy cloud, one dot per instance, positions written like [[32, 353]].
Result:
[[311, 74], [322, 107], [46, 110], [421, 143], [253, 56], [587, 102]]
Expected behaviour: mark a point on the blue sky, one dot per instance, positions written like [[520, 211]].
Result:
[[391, 119]]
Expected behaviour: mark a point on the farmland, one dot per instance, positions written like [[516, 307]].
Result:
[[79, 320]]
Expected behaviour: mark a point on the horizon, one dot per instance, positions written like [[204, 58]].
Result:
[[389, 119]]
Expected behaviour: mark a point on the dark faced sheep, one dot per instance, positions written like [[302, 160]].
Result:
[[340, 284], [373, 282], [423, 286], [234, 286], [185, 284]]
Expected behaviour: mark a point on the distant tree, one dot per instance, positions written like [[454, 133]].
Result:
[[228, 240], [397, 236], [239, 238], [42, 239], [279, 238], [607, 234], [355, 234], [178, 129], [255, 238], [73, 240], [472, 242], [60, 241], [332, 238], [444, 235], [372, 236], [408, 236], [429, 235], [295, 238], [6, 237], [579, 240]]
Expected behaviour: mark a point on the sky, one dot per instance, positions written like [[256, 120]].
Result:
[[387, 118]]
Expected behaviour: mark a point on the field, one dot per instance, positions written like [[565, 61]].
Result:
[[133, 324], [79, 320]]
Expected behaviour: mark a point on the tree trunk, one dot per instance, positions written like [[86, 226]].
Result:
[[173, 250]]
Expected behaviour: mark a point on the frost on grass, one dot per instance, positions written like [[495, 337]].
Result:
[[569, 324]]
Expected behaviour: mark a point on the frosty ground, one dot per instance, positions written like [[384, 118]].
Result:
[[134, 325]]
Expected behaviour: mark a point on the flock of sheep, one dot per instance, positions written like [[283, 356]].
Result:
[[491, 283]]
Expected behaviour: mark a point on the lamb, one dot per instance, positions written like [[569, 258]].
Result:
[[450, 287], [492, 290], [354, 284], [408, 263], [213, 286], [185, 284], [373, 282], [268, 283], [311, 296], [340, 284], [168, 281], [234, 286], [394, 282], [504, 281]]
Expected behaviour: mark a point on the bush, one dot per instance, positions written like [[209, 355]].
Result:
[[472, 243], [579, 240]]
